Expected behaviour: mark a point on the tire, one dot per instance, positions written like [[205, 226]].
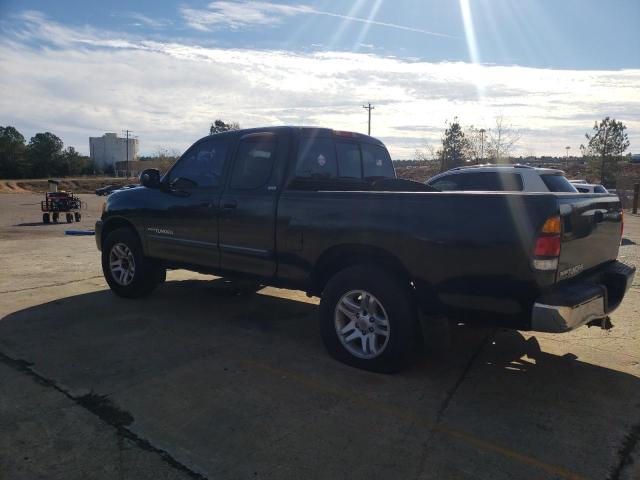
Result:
[[124, 245], [56, 216], [45, 218], [392, 300], [69, 218], [77, 216]]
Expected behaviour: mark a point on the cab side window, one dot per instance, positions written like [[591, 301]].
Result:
[[254, 162], [316, 158], [202, 165]]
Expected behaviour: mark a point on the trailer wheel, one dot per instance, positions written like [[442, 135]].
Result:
[[56, 216], [78, 216], [369, 319], [45, 218], [127, 271], [69, 218]]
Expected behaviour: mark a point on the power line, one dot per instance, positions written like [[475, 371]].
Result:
[[369, 107]]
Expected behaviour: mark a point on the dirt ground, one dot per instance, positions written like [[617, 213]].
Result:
[[203, 379]]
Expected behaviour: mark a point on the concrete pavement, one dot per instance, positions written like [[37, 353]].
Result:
[[206, 380]]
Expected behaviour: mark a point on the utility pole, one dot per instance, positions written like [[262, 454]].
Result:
[[369, 107], [127, 132], [482, 130], [567, 148]]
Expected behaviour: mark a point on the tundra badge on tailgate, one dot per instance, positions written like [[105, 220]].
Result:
[[570, 272]]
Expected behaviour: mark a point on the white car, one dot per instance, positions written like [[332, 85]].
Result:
[[502, 178]]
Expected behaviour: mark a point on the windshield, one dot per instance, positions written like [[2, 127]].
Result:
[[558, 183]]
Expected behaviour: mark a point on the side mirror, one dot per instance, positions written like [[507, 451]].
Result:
[[181, 183], [150, 178]]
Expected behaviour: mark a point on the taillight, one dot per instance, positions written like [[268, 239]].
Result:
[[547, 248]]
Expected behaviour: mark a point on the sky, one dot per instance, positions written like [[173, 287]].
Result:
[[167, 70]]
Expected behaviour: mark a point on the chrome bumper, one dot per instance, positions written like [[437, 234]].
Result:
[[577, 302], [561, 318]]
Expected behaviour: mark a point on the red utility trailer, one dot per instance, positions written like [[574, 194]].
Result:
[[59, 202]]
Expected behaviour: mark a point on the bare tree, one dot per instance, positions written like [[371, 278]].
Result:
[[502, 140], [163, 153], [475, 143], [426, 154]]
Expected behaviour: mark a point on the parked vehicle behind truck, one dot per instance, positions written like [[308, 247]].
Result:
[[318, 210], [502, 178]]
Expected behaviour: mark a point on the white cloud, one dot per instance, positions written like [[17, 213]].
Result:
[[240, 14], [237, 14], [147, 21], [79, 82]]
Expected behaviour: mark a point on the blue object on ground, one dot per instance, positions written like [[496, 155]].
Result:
[[79, 232]]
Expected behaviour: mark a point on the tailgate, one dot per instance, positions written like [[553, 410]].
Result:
[[591, 232]]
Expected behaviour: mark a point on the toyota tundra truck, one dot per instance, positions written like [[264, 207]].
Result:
[[321, 211]]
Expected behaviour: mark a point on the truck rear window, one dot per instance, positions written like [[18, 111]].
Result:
[[376, 162], [558, 183]]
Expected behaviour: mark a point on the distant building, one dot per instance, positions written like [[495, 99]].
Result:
[[109, 149], [635, 158]]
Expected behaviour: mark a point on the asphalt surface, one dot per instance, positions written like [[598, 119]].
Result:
[[205, 379]]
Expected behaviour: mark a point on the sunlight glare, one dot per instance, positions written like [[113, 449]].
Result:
[[357, 4], [472, 43], [365, 27]]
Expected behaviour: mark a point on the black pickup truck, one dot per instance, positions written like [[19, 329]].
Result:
[[322, 211]]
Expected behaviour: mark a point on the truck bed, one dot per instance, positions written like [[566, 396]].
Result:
[[465, 250]]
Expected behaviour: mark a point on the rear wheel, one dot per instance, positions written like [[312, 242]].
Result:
[[69, 218], [77, 216], [45, 218], [127, 271], [56, 216], [369, 320]]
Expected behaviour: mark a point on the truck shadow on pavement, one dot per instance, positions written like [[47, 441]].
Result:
[[218, 373]]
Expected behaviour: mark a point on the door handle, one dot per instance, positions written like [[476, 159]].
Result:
[[229, 205]]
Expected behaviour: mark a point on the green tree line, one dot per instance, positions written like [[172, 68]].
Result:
[[44, 156]]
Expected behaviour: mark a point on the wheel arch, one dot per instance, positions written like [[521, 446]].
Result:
[[339, 257], [115, 223]]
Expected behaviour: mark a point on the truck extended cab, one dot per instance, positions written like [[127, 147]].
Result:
[[321, 211]]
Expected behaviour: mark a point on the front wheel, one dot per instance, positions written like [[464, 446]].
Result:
[[127, 271], [369, 320]]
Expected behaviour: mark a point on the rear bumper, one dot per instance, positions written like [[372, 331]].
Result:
[[577, 302], [99, 234]]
